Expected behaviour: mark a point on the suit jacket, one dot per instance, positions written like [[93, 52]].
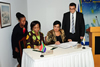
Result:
[[79, 26]]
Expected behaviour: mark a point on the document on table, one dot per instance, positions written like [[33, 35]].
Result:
[[67, 45]]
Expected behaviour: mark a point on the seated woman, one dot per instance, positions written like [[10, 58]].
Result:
[[57, 35], [34, 37]]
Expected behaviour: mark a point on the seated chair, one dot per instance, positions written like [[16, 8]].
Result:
[[22, 45]]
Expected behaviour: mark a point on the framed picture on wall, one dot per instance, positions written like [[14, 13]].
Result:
[[5, 14]]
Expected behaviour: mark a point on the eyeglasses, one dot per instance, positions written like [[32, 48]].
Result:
[[72, 8]]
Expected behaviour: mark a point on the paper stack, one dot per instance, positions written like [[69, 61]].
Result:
[[67, 45]]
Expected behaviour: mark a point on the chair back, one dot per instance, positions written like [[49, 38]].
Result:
[[22, 45]]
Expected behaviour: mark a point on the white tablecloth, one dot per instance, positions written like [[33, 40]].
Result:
[[70, 57]]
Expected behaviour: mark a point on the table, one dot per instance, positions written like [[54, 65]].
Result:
[[70, 57]]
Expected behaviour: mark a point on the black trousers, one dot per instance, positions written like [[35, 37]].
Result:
[[19, 61], [74, 37]]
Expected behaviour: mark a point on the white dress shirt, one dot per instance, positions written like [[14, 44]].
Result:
[[71, 20]]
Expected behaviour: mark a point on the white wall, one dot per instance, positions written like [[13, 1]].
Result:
[[6, 59], [47, 11]]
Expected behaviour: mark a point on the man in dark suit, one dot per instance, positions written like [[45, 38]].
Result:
[[73, 24]]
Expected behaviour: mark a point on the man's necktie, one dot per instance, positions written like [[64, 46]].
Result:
[[73, 26]]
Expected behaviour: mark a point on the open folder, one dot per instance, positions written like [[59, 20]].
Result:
[[67, 45]]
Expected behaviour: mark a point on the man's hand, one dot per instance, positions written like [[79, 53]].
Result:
[[81, 37], [69, 40], [57, 42]]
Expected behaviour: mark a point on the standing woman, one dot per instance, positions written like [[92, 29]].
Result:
[[19, 31]]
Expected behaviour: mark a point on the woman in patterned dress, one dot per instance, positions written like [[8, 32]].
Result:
[[35, 37]]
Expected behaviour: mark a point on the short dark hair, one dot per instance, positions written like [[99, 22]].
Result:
[[33, 23], [19, 15], [72, 4], [57, 22]]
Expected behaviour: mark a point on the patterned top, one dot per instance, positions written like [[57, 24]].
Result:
[[51, 37], [32, 39]]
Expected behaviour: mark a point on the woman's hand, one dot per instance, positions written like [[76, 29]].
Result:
[[16, 49], [57, 42], [69, 40], [36, 47]]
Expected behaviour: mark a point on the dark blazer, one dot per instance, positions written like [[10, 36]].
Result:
[[79, 26], [17, 35]]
